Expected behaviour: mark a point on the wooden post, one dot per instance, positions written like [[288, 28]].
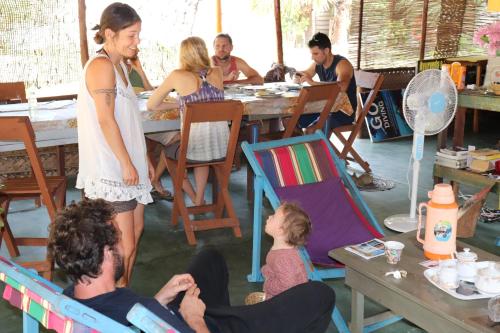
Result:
[[360, 33], [423, 33], [218, 16], [84, 46], [279, 37]]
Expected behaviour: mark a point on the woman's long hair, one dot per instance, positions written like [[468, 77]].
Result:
[[193, 55]]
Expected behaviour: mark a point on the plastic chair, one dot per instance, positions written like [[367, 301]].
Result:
[[198, 113], [51, 189], [306, 170], [365, 81]]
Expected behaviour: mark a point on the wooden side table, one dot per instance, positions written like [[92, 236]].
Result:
[[459, 176], [479, 62], [413, 297]]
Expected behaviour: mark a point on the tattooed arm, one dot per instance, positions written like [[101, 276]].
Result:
[[101, 83]]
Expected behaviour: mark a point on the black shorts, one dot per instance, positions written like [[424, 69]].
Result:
[[123, 206]]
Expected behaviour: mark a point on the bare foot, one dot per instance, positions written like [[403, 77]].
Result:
[[161, 192], [158, 187], [203, 202]]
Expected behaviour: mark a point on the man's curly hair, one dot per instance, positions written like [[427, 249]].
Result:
[[79, 235]]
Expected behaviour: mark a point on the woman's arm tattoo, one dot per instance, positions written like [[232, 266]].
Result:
[[109, 94]]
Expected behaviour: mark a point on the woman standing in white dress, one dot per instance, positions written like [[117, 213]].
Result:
[[113, 164]]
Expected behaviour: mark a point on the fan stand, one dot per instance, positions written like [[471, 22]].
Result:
[[402, 222], [435, 105], [409, 222]]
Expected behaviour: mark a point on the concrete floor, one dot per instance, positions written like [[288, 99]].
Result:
[[164, 251]]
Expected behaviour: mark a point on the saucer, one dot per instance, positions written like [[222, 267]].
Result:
[[431, 275], [488, 293]]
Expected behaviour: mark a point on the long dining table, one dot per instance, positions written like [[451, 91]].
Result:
[[54, 122]]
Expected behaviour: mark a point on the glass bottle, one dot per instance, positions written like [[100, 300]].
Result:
[[32, 104]]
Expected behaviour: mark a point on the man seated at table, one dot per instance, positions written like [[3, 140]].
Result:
[[85, 243], [330, 68], [232, 66]]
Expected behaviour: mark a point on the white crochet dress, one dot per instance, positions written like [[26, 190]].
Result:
[[99, 171]]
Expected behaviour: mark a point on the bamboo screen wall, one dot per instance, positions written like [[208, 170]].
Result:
[[40, 43], [164, 25], [39, 40], [392, 30]]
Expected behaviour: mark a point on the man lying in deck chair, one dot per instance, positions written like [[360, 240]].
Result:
[[84, 242]]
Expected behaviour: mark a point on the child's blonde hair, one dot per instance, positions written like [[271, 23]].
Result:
[[296, 224], [193, 55]]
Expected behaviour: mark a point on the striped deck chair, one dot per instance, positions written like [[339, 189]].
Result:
[[305, 170], [42, 302]]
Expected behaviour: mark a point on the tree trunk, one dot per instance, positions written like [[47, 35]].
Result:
[[339, 26], [84, 46]]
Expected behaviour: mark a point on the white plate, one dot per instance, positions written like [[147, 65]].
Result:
[[431, 275], [255, 87], [145, 94]]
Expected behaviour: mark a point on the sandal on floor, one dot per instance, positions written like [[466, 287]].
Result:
[[157, 195], [255, 297]]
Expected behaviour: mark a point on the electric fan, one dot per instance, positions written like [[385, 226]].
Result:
[[429, 104]]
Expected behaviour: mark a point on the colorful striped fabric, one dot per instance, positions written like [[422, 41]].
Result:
[[28, 301], [297, 164]]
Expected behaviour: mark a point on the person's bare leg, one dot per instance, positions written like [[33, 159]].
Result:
[[200, 178], [187, 187], [156, 182], [138, 227], [150, 148], [125, 222]]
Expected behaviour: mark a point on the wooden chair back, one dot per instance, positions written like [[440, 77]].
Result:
[[20, 129], [365, 81], [327, 92], [229, 111], [13, 91]]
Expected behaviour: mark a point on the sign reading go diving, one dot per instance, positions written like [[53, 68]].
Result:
[[385, 118]]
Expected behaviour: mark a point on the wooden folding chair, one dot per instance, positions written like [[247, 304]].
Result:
[[13, 92], [51, 189], [365, 81], [198, 113], [324, 93]]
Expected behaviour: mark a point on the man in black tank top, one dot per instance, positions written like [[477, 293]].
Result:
[[330, 68]]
